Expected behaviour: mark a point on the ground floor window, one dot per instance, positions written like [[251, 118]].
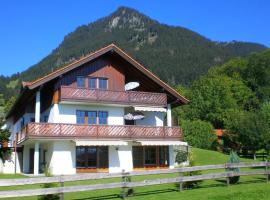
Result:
[[92, 157], [150, 156]]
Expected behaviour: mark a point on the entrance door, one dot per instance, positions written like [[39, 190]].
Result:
[[31, 161]]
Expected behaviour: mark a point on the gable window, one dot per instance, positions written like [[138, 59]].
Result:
[[92, 117], [80, 116], [80, 82], [102, 84], [92, 83], [103, 117]]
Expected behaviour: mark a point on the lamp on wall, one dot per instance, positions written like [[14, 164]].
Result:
[[117, 148]]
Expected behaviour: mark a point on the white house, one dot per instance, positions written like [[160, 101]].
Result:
[[102, 113]]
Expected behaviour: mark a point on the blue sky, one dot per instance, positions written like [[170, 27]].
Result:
[[30, 29]]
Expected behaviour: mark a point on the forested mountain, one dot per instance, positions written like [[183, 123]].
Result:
[[175, 54]]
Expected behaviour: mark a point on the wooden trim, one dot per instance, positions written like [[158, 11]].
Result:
[[56, 97], [91, 170]]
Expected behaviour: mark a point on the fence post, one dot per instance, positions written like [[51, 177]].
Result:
[[180, 182], [228, 181], [61, 185], [124, 180], [266, 171]]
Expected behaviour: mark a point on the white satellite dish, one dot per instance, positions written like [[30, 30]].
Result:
[[131, 85]]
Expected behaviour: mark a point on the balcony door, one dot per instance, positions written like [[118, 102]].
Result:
[[150, 156], [92, 157]]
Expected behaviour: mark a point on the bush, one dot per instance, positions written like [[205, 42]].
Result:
[[199, 134], [234, 159], [181, 156]]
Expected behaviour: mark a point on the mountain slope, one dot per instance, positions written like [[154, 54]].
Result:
[[176, 54]]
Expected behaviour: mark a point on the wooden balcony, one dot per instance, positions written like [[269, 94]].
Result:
[[96, 132], [115, 97]]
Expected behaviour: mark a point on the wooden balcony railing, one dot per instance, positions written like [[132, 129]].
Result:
[[53, 130], [118, 97]]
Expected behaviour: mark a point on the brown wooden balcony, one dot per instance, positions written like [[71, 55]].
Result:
[[96, 132], [116, 97]]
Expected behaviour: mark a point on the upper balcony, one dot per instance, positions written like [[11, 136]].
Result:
[[115, 97], [97, 132]]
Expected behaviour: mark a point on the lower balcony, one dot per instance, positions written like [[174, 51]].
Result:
[[97, 132]]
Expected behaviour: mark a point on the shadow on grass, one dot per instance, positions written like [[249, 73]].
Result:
[[112, 196], [219, 183], [117, 196]]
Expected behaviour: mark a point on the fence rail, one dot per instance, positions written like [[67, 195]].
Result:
[[124, 184]]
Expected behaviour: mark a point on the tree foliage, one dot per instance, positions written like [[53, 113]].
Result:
[[198, 133]]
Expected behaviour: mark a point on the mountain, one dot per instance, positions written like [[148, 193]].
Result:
[[175, 54]]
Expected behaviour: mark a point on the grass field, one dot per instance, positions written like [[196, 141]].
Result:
[[249, 188]]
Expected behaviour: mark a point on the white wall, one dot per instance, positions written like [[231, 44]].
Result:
[[8, 167], [120, 159], [152, 119], [17, 126], [66, 113], [63, 158], [172, 155]]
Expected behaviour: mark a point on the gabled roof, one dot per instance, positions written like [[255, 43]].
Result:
[[111, 47], [61, 71]]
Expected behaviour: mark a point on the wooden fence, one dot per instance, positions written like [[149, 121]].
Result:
[[125, 184]]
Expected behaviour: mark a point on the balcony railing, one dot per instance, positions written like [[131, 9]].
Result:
[[126, 132], [118, 97]]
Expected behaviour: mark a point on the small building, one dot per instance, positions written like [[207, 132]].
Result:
[[102, 113]]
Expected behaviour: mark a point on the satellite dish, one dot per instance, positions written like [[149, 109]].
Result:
[[131, 85], [134, 116]]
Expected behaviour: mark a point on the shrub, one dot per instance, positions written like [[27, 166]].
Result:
[[234, 159], [181, 156], [199, 134]]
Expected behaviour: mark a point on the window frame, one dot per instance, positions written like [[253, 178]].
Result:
[[96, 82], [87, 116], [107, 116], [84, 116], [80, 77], [106, 83]]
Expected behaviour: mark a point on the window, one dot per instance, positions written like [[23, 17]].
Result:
[[92, 157], [80, 115], [137, 154], [92, 83], [92, 117], [102, 84], [103, 117], [80, 82], [45, 118], [103, 157], [163, 155], [150, 156]]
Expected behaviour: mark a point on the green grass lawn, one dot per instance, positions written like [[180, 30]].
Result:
[[249, 188]]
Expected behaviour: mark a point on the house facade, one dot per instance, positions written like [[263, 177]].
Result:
[[102, 113]]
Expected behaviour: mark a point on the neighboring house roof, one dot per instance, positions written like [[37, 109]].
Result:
[[219, 132], [39, 82]]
